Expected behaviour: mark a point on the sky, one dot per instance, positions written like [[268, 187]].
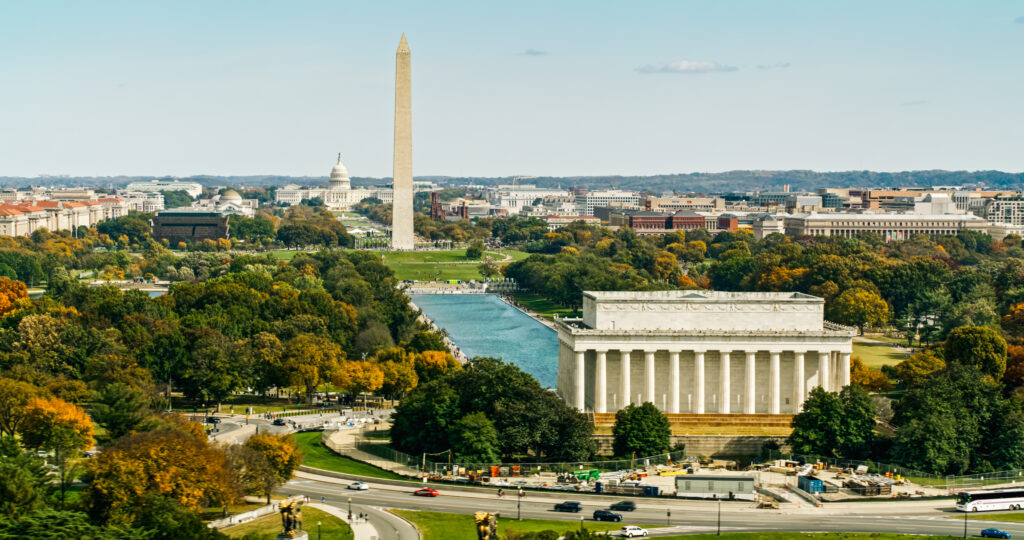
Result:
[[546, 88]]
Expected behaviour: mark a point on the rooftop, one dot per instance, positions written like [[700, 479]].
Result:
[[701, 295]]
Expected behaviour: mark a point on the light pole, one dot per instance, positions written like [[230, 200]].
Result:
[[581, 523], [668, 518], [350, 508], [317, 530], [519, 505], [719, 518]]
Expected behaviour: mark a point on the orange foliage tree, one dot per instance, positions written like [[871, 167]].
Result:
[[869, 379], [168, 462], [280, 451], [13, 294]]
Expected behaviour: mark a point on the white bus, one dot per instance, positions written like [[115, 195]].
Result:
[[990, 499]]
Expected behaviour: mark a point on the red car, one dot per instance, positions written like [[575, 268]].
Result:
[[426, 492]]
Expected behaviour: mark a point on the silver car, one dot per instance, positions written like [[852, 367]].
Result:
[[362, 486]]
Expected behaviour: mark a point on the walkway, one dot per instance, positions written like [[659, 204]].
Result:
[[361, 529]]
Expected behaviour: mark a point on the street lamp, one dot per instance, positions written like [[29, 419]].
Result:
[[350, 508], [581, 523], [519, 505], [317, 530], [719, 518], [668, 518]]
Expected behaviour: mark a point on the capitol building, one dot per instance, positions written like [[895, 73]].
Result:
[[700, 352], [338, 195]]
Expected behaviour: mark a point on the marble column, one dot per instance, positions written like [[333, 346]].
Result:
[[624, 383], [698, 382], [844, 369], [581, 388], [749, 399], [773, 381], [723, 380], [673, 383], [823, 370], [601, 383], [649, 376], [798, 381]]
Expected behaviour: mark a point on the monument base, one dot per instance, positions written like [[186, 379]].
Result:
[[294, 535]]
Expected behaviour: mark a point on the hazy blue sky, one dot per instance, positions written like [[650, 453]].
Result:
[[539, 88]]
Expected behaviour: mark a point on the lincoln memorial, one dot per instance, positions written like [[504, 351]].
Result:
[[700, 352]]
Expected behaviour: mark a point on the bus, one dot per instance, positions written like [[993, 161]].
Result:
[[990, 499]]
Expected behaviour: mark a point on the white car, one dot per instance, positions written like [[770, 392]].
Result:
[[362, 486], [629, 531]]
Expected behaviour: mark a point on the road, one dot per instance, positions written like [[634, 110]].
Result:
[[687, 517]]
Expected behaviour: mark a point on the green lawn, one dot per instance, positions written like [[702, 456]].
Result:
[[430, 265], [542, 306], [442, 526], [1016, 517], [798, 536], [876, 355], [268, 527], [319, 456]]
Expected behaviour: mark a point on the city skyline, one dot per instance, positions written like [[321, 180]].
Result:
[[184, 89]]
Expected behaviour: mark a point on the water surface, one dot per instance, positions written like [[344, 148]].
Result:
[[483, 325]]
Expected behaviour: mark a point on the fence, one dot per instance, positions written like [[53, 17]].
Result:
[[430, 466], [968, 481]]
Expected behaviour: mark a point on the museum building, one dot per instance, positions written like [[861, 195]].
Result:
[[700, 352]]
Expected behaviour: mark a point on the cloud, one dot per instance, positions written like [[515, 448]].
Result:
[[534, 52], [777, 65], [686, 66], [914, 103]]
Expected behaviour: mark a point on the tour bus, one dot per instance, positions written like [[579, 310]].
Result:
[[990, 499]]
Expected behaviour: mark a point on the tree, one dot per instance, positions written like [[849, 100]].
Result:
[[1013, 321], [474, 439], [12, 295], [868, 378], [57, 425], [816, 429], [14, 398], [24, 481], [280, 452], [250, 471], [916, 369], [643, 431], [169, 462], [860, 308], [433, 364], [977, 346], [359, 376], [120, 409], [399, 377], [475, 249], [311, 361], [176, 199], [857, 430]]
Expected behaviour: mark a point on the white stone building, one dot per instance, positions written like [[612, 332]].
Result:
[[338, 195], [230, 202], [194, 189], [700, 352], [586, 203]]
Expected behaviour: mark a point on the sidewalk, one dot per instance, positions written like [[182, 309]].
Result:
[[362, 529]]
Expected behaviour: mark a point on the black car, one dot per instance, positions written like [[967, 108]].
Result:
[[624, 506], [568, 506], [212, 420], [279, 422], [606, 515]]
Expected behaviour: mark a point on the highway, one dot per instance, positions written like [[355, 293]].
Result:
[[671, 517], [687, 517]]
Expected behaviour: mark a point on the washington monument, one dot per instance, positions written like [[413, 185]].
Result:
[[401, 211]]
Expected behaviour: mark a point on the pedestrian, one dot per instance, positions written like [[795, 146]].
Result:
[[322, 500]]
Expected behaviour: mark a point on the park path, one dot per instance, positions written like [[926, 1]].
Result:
[[362, 529]]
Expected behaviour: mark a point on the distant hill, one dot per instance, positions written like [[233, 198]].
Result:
[[799, 180]]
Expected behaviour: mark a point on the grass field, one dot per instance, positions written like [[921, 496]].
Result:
[[1014, 517], [319, 456], [331, 528], [442, 526], [802, 536], [875, 355], [542, 306], [441, 265]]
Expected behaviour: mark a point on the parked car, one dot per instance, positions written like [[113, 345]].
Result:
[[629, 531], [361, 486], [212, 420], [994, 533], [568, 506], [606, 515], [624, 506], [279, 422], [426, 492]]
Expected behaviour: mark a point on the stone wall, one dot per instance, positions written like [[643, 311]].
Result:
[[706, 445]]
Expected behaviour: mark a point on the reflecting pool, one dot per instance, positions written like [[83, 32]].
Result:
[[483, 325]]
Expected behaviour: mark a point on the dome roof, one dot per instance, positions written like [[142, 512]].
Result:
[[230, 195], [339, 172]]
